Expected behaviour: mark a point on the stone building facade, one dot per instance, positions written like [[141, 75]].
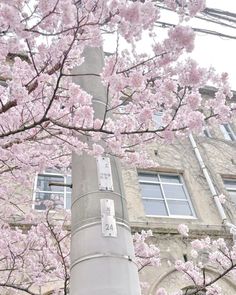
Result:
[[176, 191]]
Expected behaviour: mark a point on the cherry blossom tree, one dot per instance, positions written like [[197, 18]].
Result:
[[40, 259], [218, 256], [33, 255], [44, 115]]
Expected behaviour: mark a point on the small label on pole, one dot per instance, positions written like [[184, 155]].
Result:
[[109, 228], [104, 174]]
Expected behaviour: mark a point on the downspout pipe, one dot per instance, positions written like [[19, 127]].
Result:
[[208, 179], [211, 186]]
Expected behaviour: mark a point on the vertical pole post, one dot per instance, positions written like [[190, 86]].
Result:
[[102, 254]]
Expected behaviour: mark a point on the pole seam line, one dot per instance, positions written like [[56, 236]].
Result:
[[99, 101], [98, 191], [119, 219], [97, 256]]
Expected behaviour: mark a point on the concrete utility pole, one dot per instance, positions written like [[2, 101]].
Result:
[[102, 254]]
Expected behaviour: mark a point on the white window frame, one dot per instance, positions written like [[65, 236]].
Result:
[[159, 182], [228, 132], [64, 193], [230, 189]]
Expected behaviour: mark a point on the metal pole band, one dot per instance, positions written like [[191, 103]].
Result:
[[95, 192], [100, 101], [97, 256]]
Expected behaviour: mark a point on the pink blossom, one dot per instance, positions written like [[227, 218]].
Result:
[[182, 37], [222, 198], [171, 4], [136, 80], [98, 150], [146, 253], [161, 291], [194, 100], [194, 253], [183, 230], [196, 6], [213, 290], [197, 245], [45, 115]]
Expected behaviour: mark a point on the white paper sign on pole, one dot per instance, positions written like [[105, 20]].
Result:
[[105, 182], [109, 228]]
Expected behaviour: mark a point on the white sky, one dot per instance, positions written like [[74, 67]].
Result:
[[214, 51]]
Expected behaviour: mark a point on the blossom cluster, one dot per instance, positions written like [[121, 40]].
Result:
[[146, 253], [46, 113]]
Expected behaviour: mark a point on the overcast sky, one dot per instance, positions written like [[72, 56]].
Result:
[[214, 51]]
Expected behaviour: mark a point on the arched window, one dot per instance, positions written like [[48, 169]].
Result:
[[192, 290]]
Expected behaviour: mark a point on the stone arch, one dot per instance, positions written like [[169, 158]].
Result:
[[172, 280]]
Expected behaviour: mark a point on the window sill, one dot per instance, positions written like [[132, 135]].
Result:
[[172, 217]]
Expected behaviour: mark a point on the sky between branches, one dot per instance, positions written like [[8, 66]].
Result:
[[210, 51]]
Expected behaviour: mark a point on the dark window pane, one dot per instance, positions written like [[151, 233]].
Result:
[[149, 190], [179, 208], [174, 191], [191, 290], [154, 207], [230, 183], [233, 196], [227, 131], [58, 200], [40, 206], [148, 177], [44, 180], [40, 198], [170, 178], [206, 132]]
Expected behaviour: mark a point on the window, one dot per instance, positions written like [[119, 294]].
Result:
[[60, 195], [206, 132], [191, 289], [157, 118], [230, 185], [227, 132], [164, 195]]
